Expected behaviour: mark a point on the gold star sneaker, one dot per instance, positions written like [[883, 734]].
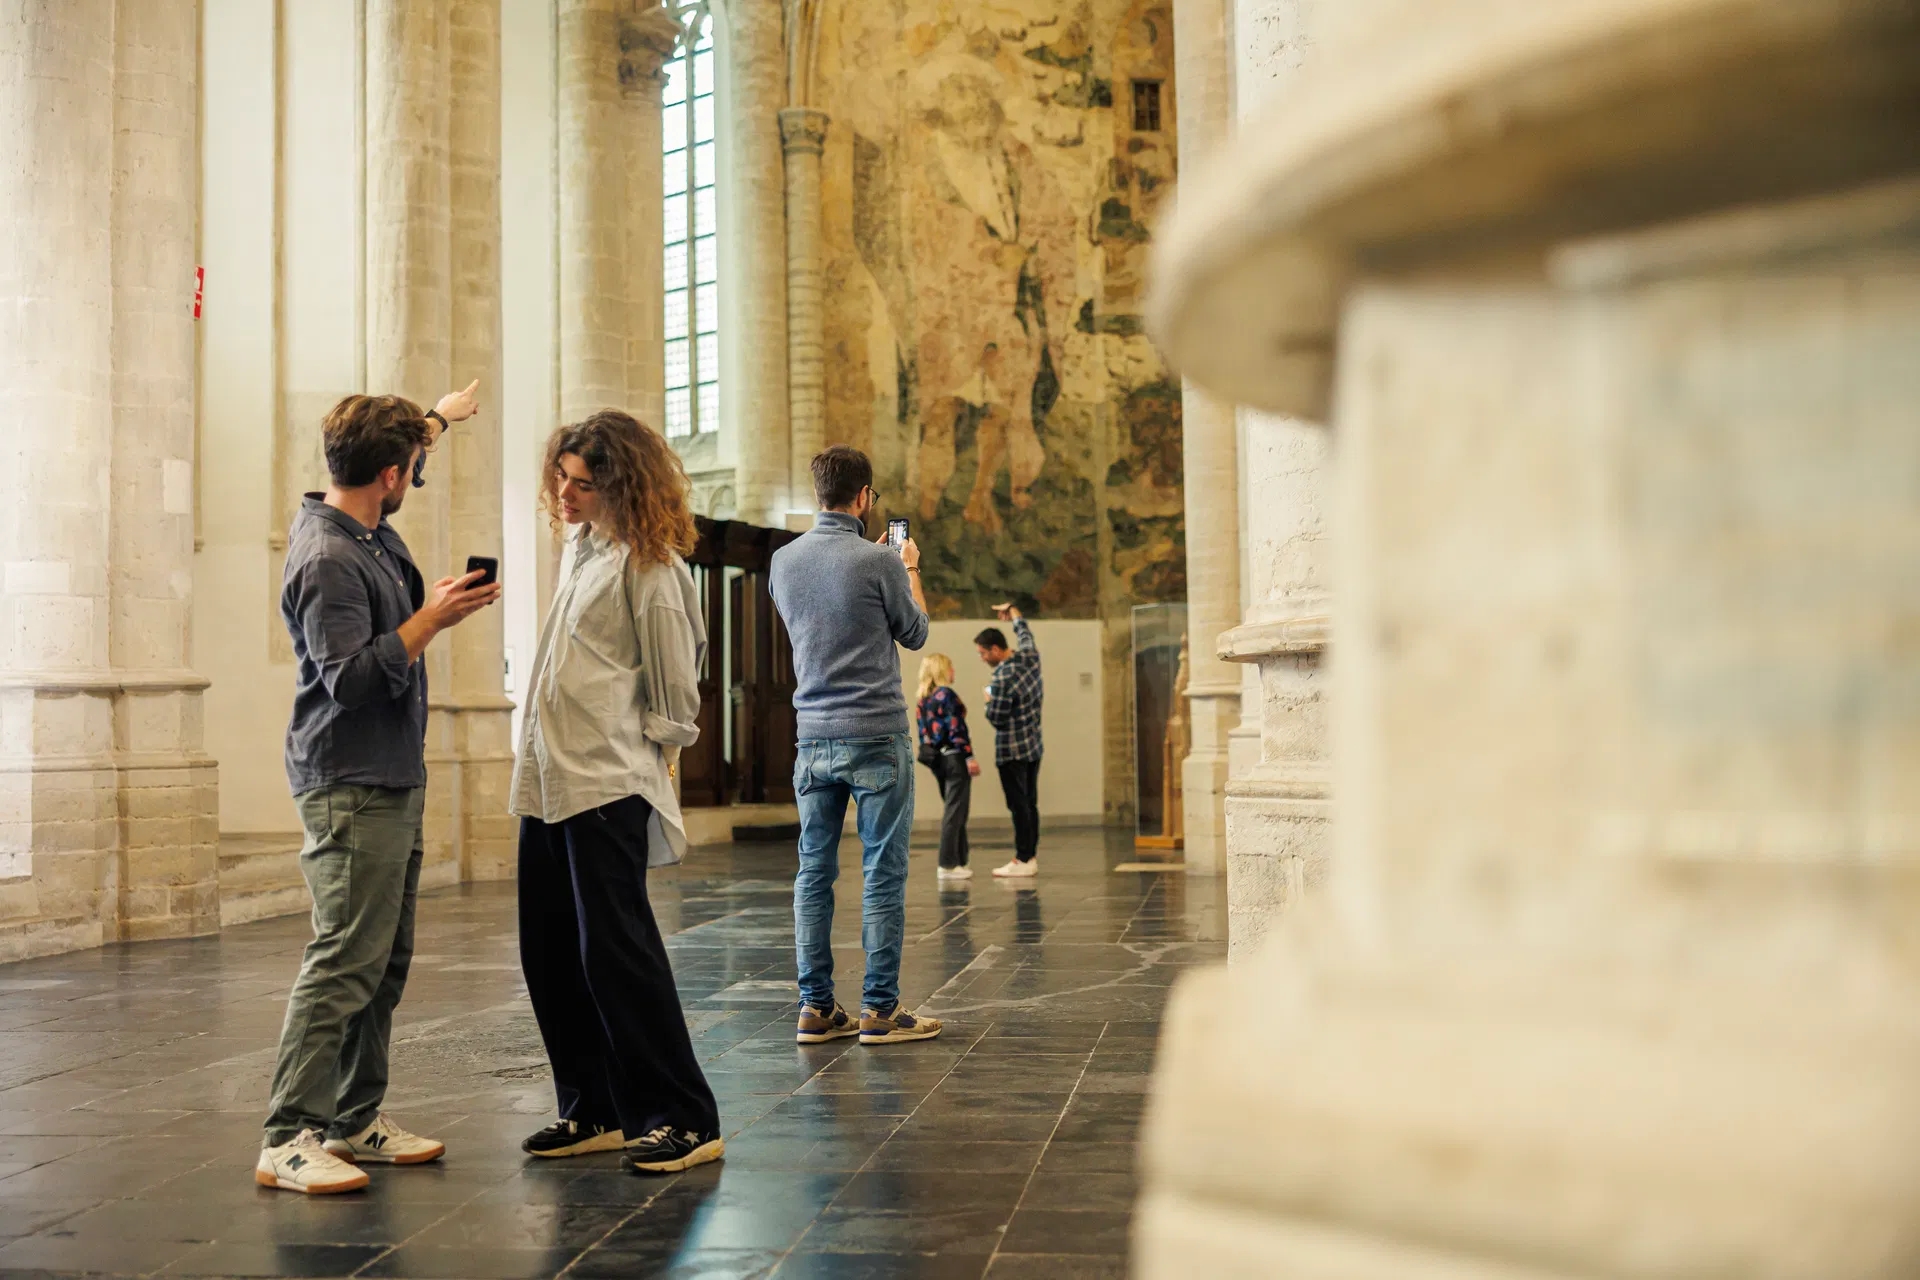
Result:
[[571, 1138], [305, 1165], [384, 1142], [896, 1027], [669, 1150]]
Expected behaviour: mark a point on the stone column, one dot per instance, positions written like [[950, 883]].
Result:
[[478, 748], [58, 809], [755, 268], [611, 327], [410, 317], [1614, 972], [1212, 477], [803, 136], [168, 871]]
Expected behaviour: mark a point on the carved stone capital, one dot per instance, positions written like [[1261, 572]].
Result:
[[803, 130], [648, 41]]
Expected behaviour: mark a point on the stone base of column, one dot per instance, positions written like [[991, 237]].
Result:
[[469, 833], [1277, 810], [1278, 842], [109, 812], [1503, 1109], [1213, 714]]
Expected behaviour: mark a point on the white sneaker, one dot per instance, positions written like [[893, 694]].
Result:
[[305, 1165], [384, 1142], [1018, 870], [956, 873]]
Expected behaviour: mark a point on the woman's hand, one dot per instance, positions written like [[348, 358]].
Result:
[[973, 767]]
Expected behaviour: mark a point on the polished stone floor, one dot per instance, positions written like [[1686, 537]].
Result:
[[133, 1081]]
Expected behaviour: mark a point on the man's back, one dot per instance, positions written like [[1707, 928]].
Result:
[[846, 602]]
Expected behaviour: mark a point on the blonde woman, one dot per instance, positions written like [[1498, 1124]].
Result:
[[613, 698], [946, 749]]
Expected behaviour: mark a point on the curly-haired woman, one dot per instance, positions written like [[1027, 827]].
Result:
[[613, 698]]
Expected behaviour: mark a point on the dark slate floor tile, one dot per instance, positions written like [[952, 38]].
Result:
[[470, 1264], [92, 1254], [929, 1188], [880, 1266], [1113, 1192], [495, 1225], [904, 1153], [1057, 1266], [961, 1231], [307, 1260], [1072, 1232]]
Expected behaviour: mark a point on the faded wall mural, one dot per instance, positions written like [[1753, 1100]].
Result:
[[988, 199]]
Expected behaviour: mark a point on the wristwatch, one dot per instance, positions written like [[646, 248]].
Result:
[[420, 463]]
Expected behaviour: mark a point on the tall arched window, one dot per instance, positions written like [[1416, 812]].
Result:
[[692, 232]]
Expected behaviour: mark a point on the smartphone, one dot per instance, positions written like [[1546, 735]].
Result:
[[897, 533], [488, 567]]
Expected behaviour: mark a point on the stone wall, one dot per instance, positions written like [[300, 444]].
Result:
[[987, 211]]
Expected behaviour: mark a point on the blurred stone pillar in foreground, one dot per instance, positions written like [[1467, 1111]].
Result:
[[1614, 975]]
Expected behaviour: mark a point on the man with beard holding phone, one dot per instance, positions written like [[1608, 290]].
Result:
[[360, 617]]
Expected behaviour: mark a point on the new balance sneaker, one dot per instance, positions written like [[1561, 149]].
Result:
[[956, 873], [896, 1027], [571, 1138], [669, 1150], [306, 1165], [384, 1142], [817, 1026], [1018, 870]]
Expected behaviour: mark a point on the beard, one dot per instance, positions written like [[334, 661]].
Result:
[[391, 503]]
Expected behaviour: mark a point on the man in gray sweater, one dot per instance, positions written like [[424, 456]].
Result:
[[846, 603]]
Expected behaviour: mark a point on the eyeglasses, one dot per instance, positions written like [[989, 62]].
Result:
[[875, 492]]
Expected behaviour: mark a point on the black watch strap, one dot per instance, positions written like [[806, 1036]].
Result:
[[435, 414]]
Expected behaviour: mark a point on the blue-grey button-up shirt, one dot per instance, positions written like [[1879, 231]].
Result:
[[359, 705]]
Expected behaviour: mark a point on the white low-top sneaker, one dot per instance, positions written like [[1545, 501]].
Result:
[[1018, 870], [306, 1165], [956, 873], [384, 1142]]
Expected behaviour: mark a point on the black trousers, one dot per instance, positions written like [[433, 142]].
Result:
[[598, 973], [956, 791], [1020, 779]]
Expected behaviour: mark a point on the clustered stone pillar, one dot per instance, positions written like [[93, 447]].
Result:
[[107, 799], [433, 301], [1210, 458], [757, 268], [803, 137], [169, 802], [1614, 971]]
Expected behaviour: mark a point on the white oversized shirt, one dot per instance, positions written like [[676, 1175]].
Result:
[[615, 683]]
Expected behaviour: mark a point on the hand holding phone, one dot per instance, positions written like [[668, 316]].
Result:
[[488, 567]]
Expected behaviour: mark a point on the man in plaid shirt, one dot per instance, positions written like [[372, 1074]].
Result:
[[1014, 697]]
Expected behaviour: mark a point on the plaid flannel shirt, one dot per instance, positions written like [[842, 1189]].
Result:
[[1013, 707]]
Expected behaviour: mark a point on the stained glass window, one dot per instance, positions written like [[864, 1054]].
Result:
[[692, 275]]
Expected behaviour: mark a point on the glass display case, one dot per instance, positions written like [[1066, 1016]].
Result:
[[1160, 730]]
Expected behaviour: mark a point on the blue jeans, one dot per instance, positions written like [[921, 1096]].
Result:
[[877, 773]]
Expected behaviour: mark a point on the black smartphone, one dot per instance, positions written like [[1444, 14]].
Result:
[[897, 532], [488, 567]]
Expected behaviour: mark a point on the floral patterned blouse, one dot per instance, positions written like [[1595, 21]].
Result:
[[943, 722]]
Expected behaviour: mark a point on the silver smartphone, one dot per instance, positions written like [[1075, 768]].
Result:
[[897, 533]]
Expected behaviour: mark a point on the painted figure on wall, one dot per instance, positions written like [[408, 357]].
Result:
[[990, 235]]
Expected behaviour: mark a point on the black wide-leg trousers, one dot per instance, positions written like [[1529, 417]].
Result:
[[598, 974]]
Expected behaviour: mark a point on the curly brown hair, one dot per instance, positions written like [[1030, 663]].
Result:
[[642, 485]]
